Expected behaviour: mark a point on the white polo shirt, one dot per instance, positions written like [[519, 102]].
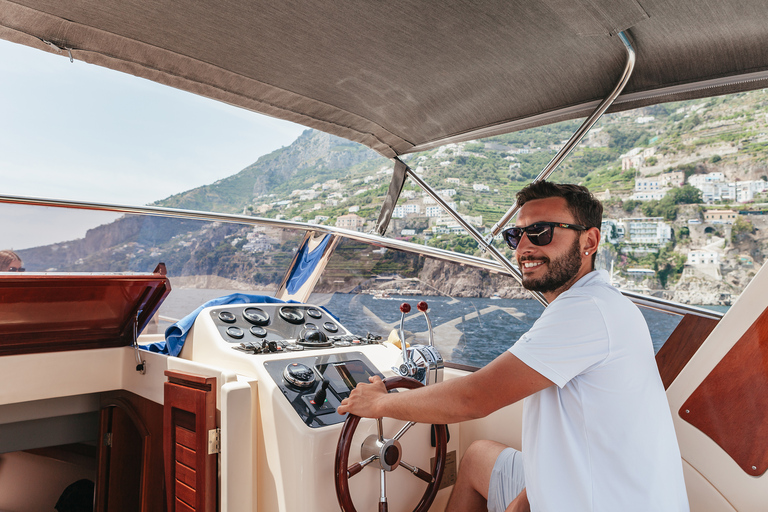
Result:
[[602, 439]]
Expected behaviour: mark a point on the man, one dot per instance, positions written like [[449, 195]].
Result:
[[10, 262], [597, 430]]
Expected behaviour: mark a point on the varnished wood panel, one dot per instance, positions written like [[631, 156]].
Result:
[[147, 417], [190, 413], [679, 348], [731, 404], [53, 312]]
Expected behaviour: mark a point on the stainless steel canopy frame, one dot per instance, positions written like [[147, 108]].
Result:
[[486, 244]]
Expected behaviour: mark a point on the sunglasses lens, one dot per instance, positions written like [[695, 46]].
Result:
[[512, 237], [539, 234]]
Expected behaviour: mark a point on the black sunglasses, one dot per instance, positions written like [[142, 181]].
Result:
[[16, 269], [539, 233]]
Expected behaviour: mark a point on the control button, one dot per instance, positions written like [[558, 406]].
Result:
[[235, 332], [331, 327], [256, 316], [258, 331], [291, 315], [314, 313], [313, 338], [226, 316], [299, 375]]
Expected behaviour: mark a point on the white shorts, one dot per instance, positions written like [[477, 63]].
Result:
[[507, 480]]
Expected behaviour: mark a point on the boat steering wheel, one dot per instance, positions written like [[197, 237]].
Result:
[[387, 454]]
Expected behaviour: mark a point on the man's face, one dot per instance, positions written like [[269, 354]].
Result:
[[550, 268]]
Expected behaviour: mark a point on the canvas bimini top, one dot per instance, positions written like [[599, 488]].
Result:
[[406, 75]]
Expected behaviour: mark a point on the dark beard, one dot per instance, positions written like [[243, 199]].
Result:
[[561, 271]]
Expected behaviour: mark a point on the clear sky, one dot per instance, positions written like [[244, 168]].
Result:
[[82, 132]]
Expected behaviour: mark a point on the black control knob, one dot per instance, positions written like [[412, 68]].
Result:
[[313, 338], [319, 399], [299, 375]]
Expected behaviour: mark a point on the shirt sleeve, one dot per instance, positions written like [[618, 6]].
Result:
[[568, 339]]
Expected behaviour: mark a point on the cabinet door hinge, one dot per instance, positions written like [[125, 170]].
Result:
[[107, 441], [214, 441]]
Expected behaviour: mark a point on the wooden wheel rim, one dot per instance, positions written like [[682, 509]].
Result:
[[345, 442]]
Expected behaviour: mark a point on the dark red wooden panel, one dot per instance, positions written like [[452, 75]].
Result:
[[679, 348], [52, 312], [189, 414], [731, 404]]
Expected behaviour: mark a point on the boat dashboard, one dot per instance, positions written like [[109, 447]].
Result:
[[300, 362]]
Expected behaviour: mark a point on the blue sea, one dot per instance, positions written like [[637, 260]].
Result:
[[469, 331]]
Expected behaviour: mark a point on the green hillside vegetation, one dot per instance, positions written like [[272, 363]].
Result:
[[725, 134]]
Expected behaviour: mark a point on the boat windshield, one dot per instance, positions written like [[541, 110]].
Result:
[[476, 313]]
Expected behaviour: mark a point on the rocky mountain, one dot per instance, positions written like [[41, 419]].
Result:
[[313, 155]]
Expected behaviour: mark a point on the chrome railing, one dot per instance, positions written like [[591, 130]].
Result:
[[422, 250]]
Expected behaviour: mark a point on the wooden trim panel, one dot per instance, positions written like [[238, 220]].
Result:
[[190, 471], [679, 348], [730, 405]]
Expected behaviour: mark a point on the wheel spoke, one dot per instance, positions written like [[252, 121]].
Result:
[[380, 428], [420, 473], [358, 466], [383, 498], [404, 430]]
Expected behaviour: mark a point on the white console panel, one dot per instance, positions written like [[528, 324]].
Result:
[[293, 464]]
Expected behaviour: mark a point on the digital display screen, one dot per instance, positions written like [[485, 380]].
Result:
[[345, 375]]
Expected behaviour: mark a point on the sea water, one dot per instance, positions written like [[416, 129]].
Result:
[[467, 330]]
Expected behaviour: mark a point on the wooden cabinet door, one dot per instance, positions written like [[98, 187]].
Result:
[[190, 466]]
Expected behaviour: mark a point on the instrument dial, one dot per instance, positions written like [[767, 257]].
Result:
[[228, 317], [235, 332], [314, 313], [258, 331], [256, 316], [292, 315]]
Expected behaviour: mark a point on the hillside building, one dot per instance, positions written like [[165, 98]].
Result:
[[350, 221], [402, 210], [703, 257], [635, 158], [720, 216], [641, 234]]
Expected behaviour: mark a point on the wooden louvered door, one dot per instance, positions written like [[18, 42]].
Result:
[[189, 416]]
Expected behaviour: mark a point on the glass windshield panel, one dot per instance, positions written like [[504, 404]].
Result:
[[476, 315], [204, 260]]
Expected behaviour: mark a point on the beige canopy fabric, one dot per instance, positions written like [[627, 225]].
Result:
[[405, 75]]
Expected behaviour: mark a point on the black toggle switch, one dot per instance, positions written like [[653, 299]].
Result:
[[319, 399]]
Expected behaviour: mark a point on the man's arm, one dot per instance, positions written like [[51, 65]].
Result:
[[502, 382]]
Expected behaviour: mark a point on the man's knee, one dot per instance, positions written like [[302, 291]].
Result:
[[477, 463]]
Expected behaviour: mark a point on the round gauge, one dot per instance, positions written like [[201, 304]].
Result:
[[299, 375], [256, 316], [314, 313], [226, 316], [258, 331], [309, 325], [313, 338], [292, 315], [235, 332], [331, 327]]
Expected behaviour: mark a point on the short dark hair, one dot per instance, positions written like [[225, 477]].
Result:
[[585, 208]]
